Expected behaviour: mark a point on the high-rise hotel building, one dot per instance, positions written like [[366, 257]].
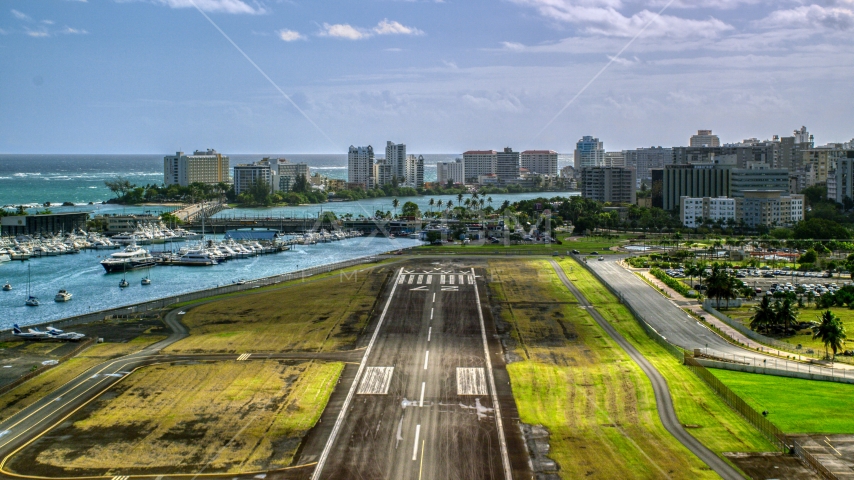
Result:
[[360, 166], [207, 166]]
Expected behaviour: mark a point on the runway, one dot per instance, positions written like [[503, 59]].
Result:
[[424, 403]]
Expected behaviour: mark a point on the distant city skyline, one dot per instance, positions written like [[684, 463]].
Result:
[[243, 76]]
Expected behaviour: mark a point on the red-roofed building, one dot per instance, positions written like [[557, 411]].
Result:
[[479, 162]]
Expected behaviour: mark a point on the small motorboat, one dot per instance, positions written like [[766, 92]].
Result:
[[32, 301], [62, 296], [7, 286], [146, 281], [124, 283]]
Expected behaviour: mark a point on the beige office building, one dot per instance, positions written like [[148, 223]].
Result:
[[207, 166]]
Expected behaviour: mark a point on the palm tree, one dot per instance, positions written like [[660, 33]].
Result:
[[439, 204], [810, 296], [431, 203], [787, 314], [830, 331], [459, 199], [763, 315], [480, 202], [721, 284], [395, 203], [489, 201]]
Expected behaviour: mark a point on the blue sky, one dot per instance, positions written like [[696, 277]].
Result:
[[152, 76]]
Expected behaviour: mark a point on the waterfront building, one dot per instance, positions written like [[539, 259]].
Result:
[[705, 138], [615, 159], [693, 211], [643, 160], [609, 184], [770, 209], [126, 223], [246, 175], [542, 162], [286, 174], [479, 162], [360, 166], [450, 171], [843, 179], [414, 171], [589, 152], [507, 164], [207, 166], [45, 224], [395, 156], [383, 173]]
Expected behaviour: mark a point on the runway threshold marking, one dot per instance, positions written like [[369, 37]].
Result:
[[505, 458], [376, 381], [471, 381], [321, 462], [415, 448], [429, 279], [420, 279], [426, 358], [442, 280], [121, 477], [244, 357]]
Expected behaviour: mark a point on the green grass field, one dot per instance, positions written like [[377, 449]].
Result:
[[721, 429], [572, 379], [795, 405], [807, 314], [325, 314]]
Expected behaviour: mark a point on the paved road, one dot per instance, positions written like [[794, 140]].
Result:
[[423, 404], [677, 326], [663, 400]]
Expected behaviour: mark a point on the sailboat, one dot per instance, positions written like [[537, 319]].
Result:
[[124, 282], [146, 280], [31, 300]]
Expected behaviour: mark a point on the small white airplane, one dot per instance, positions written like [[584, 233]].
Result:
[[60, 335], [30, 334]]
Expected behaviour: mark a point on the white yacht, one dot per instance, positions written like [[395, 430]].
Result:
[[197, 257], [128, 259], [62, 296]]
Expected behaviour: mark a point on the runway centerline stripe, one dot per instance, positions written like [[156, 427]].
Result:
[[426, 358], [434, 297], [343, 413], [415, 448], [505, 459], [421, 400], [429, 332], [431, 313]]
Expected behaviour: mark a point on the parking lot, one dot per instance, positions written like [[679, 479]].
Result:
[[767, 280]]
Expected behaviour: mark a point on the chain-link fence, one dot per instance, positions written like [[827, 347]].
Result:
[[813, 462]]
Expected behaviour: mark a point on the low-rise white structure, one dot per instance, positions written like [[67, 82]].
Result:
[[692, 211]]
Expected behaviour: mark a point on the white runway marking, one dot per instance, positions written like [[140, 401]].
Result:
[[429, 332], [420, 279], [471, 279], [451, 279], [431, 313], [376, 381], [121, 477], [415, 448], [244, 357], [429, 279], [434, 297], [442, 280], [421, 400], [462, 279], [426, 358], [471, 381], [451, 289], [401, 279], [422, 288], [411, 278]]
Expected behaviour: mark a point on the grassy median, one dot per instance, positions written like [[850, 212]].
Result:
[[712, 422], [573, 379], [321, 315], [34, 389], [220, 417]]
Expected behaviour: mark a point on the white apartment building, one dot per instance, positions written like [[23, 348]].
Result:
[[206, 166], [383, 173], [395, 155], [479, 162], [693, 211], [615, 159], [541, 162], [360, 166], [450, 171], [414, 171], [770, 208], [248, 174], [287, 173]]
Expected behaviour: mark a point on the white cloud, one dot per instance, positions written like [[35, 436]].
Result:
[[386, 27], [812, 16], [48, 22], [73, 31], [601, 17], [343, 30], [219, 6], [38, 33], [20, 15], [290, 35]]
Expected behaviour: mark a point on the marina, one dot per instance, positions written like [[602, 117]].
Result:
[[82, 275]]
